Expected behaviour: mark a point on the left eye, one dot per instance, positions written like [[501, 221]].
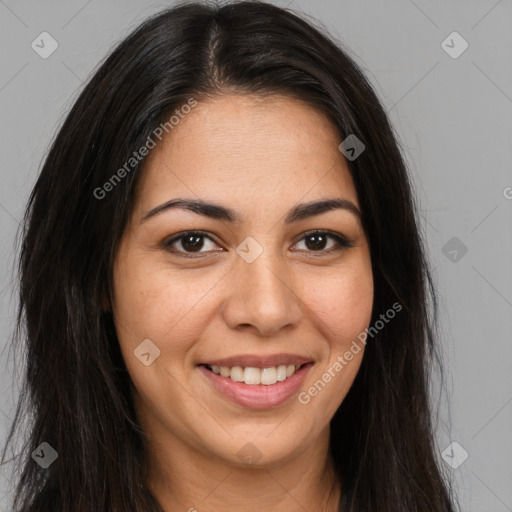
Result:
[[314, 239], [193, 241]]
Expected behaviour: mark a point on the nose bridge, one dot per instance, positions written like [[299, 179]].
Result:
[[262, 293]]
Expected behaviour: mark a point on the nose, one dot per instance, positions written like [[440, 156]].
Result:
[[262, 297]]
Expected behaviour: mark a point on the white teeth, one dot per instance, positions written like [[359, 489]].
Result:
[[268, 376], [253, 376], [281, 372], [237, 374]]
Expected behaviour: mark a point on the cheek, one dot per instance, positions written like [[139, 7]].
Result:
[[152, 302], [341, 306], [342, 303]]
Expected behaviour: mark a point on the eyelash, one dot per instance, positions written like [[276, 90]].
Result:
[[342, 242]]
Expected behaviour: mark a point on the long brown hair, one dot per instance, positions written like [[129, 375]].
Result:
[[76, 389]]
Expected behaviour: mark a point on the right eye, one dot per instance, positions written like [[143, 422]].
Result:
[[190, 241]]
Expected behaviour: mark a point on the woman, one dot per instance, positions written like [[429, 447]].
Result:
[[223, 285]]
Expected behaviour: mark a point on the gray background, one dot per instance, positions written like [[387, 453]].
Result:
[[454, 118]]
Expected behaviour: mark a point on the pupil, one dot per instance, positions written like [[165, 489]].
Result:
[[192, 242], [319, 241]]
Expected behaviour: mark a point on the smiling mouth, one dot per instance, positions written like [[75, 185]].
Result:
[[253, 376]]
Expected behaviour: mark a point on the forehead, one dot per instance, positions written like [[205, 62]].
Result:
[[248, 149]]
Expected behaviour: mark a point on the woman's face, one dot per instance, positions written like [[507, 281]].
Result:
[[256, 291]]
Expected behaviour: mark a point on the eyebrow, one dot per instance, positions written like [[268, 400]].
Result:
[[215, 211]]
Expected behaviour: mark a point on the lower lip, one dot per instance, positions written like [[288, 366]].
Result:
[[258, 396]]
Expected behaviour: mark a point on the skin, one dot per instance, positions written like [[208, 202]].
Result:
[[260, 157]]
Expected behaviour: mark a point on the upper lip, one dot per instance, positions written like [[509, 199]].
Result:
[[258, 361]]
